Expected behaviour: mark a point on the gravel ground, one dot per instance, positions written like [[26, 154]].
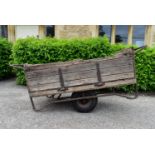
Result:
[[111, 112]]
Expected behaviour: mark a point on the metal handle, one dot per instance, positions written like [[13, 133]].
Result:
[[140, 48], [20, 66]]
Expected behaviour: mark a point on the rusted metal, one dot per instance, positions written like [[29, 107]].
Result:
[[99, 78], [32, 103], [139, 48], [61, 80], [18, 66], [70, 99]]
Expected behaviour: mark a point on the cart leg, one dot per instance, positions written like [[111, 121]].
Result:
[[136, 90], [135, 93], [32, 103]]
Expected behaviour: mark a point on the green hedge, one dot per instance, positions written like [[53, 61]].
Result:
[[32, 50], [145, 65], [145, 69], [5, 52]]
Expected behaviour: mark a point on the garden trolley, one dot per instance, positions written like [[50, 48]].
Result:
[[84, 79]]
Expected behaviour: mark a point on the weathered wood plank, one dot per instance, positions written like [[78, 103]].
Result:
[[80, 67], [35, 67], [86, 81], [80, 75], [84, 88], [104, 79]]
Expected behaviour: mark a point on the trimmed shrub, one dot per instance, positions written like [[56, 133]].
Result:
[[37, 51], [145, 69], [145, 66], [5, 52]]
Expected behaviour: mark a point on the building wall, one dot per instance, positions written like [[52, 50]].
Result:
[[72, 31], [75, 31], [153, 35]]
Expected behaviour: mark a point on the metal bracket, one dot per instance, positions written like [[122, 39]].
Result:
[[134, 96], [61, 80], [99, 78], [37, 109], [135, 93]]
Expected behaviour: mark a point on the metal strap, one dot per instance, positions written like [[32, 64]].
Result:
[[61, 80], [99, 78]]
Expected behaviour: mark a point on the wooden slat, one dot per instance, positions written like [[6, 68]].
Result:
[[30, 67], [80, 67], [84, 88], [80, 75], [104, 79], [86, 81]]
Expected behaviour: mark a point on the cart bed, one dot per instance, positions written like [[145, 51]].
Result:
[[81, 75]]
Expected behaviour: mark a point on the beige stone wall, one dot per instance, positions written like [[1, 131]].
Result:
[[153, 35], [11, 33], [76, 31]]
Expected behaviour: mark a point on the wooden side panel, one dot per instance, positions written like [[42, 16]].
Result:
[[35, 67], [87, 81], [78, 67], [80, 74], [83, 88], [71, 76]]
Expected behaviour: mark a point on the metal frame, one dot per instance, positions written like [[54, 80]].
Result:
[[99, 77], [33, 105], [69, 99], [61, 80], [99, 83]]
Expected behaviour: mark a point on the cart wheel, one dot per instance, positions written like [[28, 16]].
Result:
[[84, 105]]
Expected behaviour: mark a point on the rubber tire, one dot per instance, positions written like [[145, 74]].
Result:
[[86, 107]]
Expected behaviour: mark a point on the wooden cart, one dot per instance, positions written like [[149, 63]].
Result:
[[85, 79]]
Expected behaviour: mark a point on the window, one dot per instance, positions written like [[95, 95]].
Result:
[[3, 31], [49, 30], [121, 34], [138, 35], [105, 30]]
